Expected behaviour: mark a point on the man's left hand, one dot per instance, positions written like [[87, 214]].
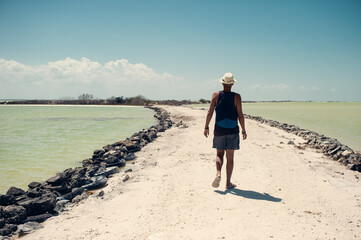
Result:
[[206, 132]]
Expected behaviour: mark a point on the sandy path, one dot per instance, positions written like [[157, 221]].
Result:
[[282, 192]]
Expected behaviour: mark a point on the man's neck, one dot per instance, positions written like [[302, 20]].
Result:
[[227, 89]]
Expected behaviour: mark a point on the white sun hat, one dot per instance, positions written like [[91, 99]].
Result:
[[227, 78]]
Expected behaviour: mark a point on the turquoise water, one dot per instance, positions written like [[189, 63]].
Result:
[[340, 120], [38, 141]]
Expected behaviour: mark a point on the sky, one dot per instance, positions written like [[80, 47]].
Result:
[[277, 50]]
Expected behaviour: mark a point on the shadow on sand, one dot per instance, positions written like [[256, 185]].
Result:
[[249, 194]]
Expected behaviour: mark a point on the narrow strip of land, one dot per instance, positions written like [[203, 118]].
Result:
[[283, 192]]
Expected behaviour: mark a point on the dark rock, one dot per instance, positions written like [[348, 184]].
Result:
[[28, 227], [107, 171], [14, 214], [115, 162], [312, 141], [62, 189], [36, 206], [6, 200], [148, 137], [39, 218], [130, 156], [57, 180], [8, 229], [101, 193], [335, 150], [97, 182], [357, 167], [128, 170], [75, 192], [291, 143], [98, 152], [79, 171], [126, 178], [60, 204], [161, 128], [50, 194], [79, 182], [135, 139], [346, 153], [111, 160], [107, 148], [109, 153], [87, 162], [78, 178], [91, 169], [80, 197], [34, 185], [19, 198], [331, 147], [2, 222], [34, 192], [132, 146], [14, 191], [117, 144], [341, 160]]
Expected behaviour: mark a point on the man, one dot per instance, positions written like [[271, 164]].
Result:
[[228, 106]]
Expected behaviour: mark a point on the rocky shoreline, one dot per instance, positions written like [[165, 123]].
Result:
[[22, 211], [330, 147]]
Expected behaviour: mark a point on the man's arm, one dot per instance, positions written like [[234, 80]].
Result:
[[238, 103], [210, 113]]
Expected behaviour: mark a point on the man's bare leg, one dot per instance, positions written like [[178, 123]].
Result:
[[219, 163], [229, 156]]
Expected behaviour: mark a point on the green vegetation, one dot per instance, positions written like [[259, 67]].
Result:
[[89, 99], [203, 101]]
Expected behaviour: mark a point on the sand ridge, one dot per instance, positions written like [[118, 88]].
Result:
[[282, 192]]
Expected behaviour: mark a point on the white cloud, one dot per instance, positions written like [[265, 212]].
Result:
[[255, 86], [279, 86], [333, 89], [313, 88], [73, 77], [14, 71], [81, 71]]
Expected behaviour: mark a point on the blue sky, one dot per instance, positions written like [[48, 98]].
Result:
[[277, 50]]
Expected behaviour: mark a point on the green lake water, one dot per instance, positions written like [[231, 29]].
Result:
[[38, 141], [340, 120]]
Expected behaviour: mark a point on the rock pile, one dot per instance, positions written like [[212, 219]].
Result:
[[20, 209], [329, 146]]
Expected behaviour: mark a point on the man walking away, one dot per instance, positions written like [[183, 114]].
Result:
[[228, 106]]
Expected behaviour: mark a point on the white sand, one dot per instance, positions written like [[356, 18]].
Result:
[[282, 192]]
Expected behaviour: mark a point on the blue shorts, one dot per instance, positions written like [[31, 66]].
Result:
[[226, 142]]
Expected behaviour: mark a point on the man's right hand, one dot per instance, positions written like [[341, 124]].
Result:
[[244, 136]]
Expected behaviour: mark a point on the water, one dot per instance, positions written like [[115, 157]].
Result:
[[340, 120], [38, 141]]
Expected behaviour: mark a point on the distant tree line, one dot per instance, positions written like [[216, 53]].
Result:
[[89, 99]]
